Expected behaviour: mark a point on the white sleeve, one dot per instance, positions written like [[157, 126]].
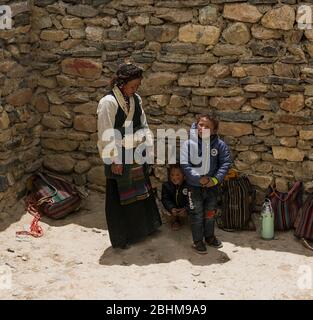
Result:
[[107, 109], [145, 127]]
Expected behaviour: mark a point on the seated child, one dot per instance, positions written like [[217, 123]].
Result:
[[174, 196], [202, 184]]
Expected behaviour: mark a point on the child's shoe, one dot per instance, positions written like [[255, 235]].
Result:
[[200, 247], [214, 242]]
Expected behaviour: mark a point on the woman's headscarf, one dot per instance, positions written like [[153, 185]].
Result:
[[125, 73]]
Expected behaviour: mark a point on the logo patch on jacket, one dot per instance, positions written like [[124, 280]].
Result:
[[185, 191], [214, 152]]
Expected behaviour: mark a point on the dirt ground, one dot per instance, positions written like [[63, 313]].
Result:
[[74, 260]]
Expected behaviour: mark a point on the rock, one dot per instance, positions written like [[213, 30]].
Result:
[[137, 33], [20, 97], [87, 108], [53, 122], [201, 101], [309, 34], [308, 90], [263, 167], [239, 72], [4, 120], [94, 33], [258, 70], [160, 79], [231, 103], [85, 68], [266, 49], [59, 145], [174, 15], [208, 15], [219, 71], [290, 154], [281, 184], [262, 182], [261, 103], [235, 129], [164, 33], [279, 18], [294, 103], [96, 176], [85, 123], [288, 141], [53, 35], [59, 163], [83, 11], [286, 70], [141, 20], [82, 166], [169, 67], [249, 157], [183, 48], [256, 88], [40, 18], [189, 81], [161, 173], [229, 50], [262, 33], [72, 22], [218, 92], [309, 48], [237, 33], [285, 131], [207, 35], [242, 12], [306, 134], [177, 106]]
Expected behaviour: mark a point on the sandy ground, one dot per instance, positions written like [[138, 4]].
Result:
[[74, 260]]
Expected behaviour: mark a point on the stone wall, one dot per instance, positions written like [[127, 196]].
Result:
[[19, 122], [245, 59]]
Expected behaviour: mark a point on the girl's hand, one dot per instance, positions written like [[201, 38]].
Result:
[[174, 212], [204, 181], [117, 168]]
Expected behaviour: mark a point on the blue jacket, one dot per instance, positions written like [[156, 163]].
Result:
[[220, 158], [174, 196]]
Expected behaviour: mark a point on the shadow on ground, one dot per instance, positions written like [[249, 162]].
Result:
[[165, 245]]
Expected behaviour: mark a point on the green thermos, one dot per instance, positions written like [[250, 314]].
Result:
[[267, 221]]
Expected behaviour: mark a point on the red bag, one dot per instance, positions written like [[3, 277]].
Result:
[[304, 223], [286, 206], [55, 197], [50, 196]]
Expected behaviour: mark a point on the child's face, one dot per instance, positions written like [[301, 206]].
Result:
[[203, 124], [176, 176]]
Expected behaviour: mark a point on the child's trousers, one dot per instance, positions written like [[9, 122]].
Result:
[[202, 205]]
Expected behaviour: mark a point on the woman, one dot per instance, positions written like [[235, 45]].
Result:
[[130, 207]]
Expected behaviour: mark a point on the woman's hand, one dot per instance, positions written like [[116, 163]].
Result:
[[117, 168]]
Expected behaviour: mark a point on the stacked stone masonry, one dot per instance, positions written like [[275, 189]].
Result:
[[245, 59]]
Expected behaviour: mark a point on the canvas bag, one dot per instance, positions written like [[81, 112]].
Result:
[[286, 205], [236, 203], [304, 222], [55, 197]]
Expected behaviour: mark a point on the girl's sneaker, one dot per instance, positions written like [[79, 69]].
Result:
[[214, 242], [200, 247]]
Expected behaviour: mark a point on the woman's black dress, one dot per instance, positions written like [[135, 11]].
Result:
[[129, 223]]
